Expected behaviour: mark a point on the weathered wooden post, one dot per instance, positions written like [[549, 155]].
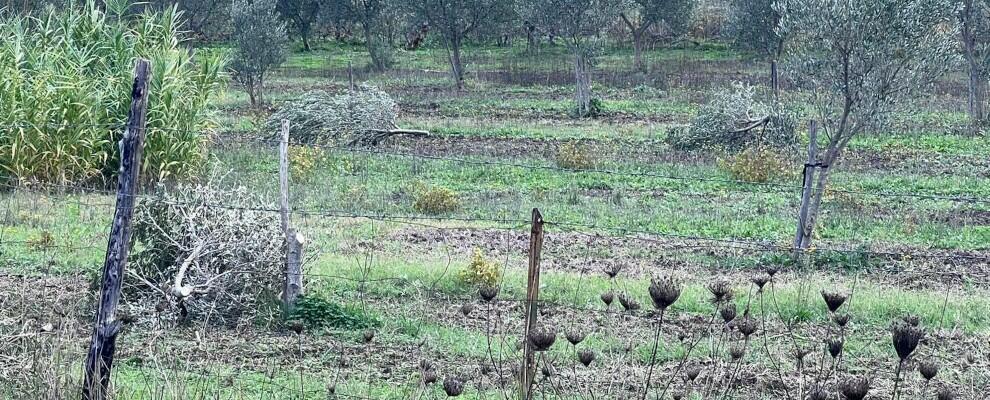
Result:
[[99, 359], [774, 85], [350, 75], [809, 174], [293, 286], [528, 371]]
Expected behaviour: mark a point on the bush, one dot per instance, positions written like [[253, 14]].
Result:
[[65, 92], [436, 200], [327, 119], [574, 156], [235, 254], [260, 39], [481, 271], [757, 164], [303, 160], [718, 124], [316, 312]]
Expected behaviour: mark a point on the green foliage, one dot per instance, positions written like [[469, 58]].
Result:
[[303, 160], [436, 200], [757, 164], [481, 271], [260, 39], [347, 118], [317, 312], [66, 88], [572, 155], [722, 121], [752, 26]]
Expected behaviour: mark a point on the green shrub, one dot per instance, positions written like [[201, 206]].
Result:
[[65, 93], [303, 160], [436, 200], [317, 312], [574, 156], [480, 271], [719, 123], [319, 117], [757, 164]]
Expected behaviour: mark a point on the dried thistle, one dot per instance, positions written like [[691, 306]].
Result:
[[425, 365], [833, 300], [772, 270], [928, 369], [760, 280], [834, 346], [607, 298], [429, 376], [945, 393], [542, 338], [854, 387], [613, 270], [574, 336], [466, 308], [721, 291], [586, 357], [692, 371], [905, 338], [295, 326], [488, 293], [369, 335], [840, 320], [912, 320], [747, 326], [453, 386], [664, 292], [728, 312], [737, 352], [628, 303]]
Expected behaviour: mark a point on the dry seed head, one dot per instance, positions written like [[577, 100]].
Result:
[[607, 298], [613, 270], [737, 352], [721, 291], [488, 293], [834, 346], [945, 393], [542, 338], [628, 303], [425, 365], [905, 338], [453, 386], [912, 320], [429, 376], [772, 270], [728, 312], [369, 335], [574, 336], [854, 387], [296, 326], [692, 371], [760, 280], [664, 292], [833, 300], [586, 357], [928, 369], [747, 326], [840, 319], [466, 309]]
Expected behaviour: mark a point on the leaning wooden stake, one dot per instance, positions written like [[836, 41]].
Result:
[[528, 372], [293, 286], [99, 360], [809, 174], [774, 84]]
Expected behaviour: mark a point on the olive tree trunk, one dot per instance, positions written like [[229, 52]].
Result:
[[582, 80]]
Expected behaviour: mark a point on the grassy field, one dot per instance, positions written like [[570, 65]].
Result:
[[905, 231]]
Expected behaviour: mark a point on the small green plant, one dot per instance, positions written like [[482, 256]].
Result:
[[303, 160], [436, 200], [572, 155], [756, 164], [317, 312], [480, 271]]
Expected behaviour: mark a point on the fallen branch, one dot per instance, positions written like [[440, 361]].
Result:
[[753, 125], [380, 135]]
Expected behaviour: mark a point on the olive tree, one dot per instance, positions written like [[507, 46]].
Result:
[[454, 20], [859, 60], [370, 15], [580, 23], [642, 15], [260, 41], [974, 24], [752, 26], [301, 15]]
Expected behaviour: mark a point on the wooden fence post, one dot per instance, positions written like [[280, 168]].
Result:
[[350, 75], [809, 174], [528, 371], [293, 286], [774, 84], [99, 359]]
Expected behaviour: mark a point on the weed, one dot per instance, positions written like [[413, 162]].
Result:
[[572, 155], [436, 200], [317, 312], [480, 271], [756, 164], [303, 160]]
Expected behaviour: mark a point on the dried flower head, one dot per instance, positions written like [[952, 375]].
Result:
[[574, 336], [542, 338], [369, 335], [800, 353], [425, 365], [772, 269], [691, 371], [833, 300], [664, 292], [429, 376], [613, 270], [295, 326], [840, 319], [834, 346], [586, 357], [945, 393], [912, 320], [728, 312], [760, 280], [453, 386], [607, 298], [488, 293], [854, 387], [466, 308], [628, 303], [721, 291], [928, 369], [737, 352], [746, 325], [905, 338]]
